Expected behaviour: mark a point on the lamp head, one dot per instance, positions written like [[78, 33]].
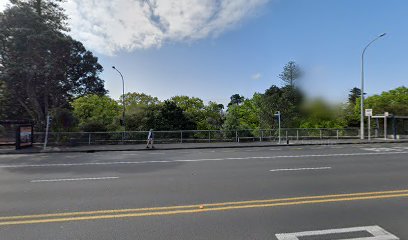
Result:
[[382, 35], [113, 67]]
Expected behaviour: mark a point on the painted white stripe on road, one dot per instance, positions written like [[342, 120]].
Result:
[[200, 160], [299, 169], [73, 179], [377, 232]]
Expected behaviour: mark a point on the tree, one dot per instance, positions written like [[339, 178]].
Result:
[[287, 100], [394, 101], [63, 120], [9, 109], [96, 113], [236, 99], [136, 100], [41, 66], [291, 73], [213, 117], [192, 106], [354, 94], [168, 116], [244, 116]]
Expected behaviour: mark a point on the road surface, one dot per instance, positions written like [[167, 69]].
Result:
[[306, 193]]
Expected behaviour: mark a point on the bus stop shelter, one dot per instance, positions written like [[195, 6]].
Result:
[[390, 126], [16, 132]]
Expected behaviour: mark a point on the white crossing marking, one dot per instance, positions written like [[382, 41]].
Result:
[[385, 149], [377, 232], [299, 169], [199, 160], [73, 179]]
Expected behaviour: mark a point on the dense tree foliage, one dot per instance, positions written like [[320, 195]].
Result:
[[42, 67], [236, 99], [96, 113], [394, 101], [287, 100], [355, 93]]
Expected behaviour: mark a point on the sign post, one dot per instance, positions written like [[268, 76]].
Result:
[[386, 114], [278, 114], [369, 114], [46, 132]]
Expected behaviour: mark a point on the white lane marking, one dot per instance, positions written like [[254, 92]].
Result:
[[200, 160], [73, 179], [156, 153], [299, 169], [275, 149], [377, 232]]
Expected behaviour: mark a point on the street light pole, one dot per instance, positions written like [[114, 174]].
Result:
[[362, 87], [123, 99]]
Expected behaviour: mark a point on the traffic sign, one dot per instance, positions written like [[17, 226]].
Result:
[[369, 112]]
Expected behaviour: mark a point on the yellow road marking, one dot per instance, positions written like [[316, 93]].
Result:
[[114, 211], [197, 210], [218, 207]]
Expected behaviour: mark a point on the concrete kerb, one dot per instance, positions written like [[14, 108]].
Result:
[[11, 152]]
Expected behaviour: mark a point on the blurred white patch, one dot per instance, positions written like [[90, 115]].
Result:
[[3, 4], [256, 76]]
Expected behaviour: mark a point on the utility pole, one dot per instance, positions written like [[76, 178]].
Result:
[[123, 103], [362, 87]]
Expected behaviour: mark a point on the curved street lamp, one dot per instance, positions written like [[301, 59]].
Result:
[[123, 99], [362, 86]]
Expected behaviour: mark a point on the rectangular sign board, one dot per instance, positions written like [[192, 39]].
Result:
[[24, 136], [369, 112]]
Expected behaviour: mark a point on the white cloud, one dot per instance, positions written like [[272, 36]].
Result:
[[256, 76], [108, 26]]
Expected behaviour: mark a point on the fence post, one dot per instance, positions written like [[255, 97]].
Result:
[[297, 134], [181, 136], [89, 138], [236, 136], [209, 136], [262, 133], [321, 137], [337, 134]]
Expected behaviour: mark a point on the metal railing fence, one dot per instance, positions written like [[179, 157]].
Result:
[[196, 136]]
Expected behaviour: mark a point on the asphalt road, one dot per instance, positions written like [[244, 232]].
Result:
[[246, 193]]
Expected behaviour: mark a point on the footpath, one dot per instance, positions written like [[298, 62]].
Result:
[[180, 146]]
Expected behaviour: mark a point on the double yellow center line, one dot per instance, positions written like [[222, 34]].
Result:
[[199, 208]]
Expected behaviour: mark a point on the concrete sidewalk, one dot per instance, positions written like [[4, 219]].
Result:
[[178, 146]]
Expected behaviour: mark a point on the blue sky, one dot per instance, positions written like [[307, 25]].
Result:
[[325, 37]]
